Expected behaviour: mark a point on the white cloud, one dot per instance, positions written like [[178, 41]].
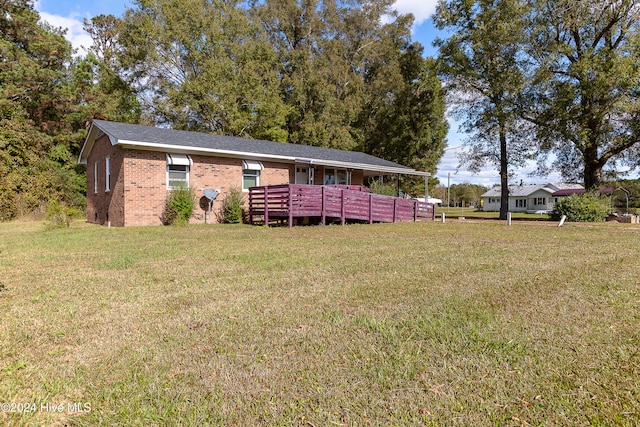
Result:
[[77, 36], [421, 9]]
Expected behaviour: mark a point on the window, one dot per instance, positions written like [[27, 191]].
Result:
[[107, 184], [178, 171], [521, 203], [251, 174], [178, 176], [539, 201], [95, 177], [250, 178], [492, 200], [335, 176]]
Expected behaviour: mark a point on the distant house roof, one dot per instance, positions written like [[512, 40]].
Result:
[[170, 140], [568, 192], [527, 190]]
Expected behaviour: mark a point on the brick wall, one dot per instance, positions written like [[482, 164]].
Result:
[[139, 183], [221, 173], [140, 193], [145, 187], [105, 206]]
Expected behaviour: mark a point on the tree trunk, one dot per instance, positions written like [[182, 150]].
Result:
[[592, 169], [504, 175]]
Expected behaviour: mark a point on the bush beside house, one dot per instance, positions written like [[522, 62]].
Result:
[[587, 207]]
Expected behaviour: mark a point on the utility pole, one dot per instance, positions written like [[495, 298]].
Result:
[[448, 190]]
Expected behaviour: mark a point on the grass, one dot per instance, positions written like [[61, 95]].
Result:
[[463, 323], [473, 213]]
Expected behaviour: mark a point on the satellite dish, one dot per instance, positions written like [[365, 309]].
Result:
[[211, 194]]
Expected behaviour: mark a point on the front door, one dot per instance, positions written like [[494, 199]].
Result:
[[302, 175]]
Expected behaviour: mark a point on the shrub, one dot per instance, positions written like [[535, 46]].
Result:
[[179, 206], [231, 211], [377, 187], [588, 207], [58, 215]]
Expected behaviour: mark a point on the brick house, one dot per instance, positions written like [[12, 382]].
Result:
[[130, 168]]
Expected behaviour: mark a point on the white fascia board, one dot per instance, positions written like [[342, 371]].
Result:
[[198, 150], [364, 166], [90, 140], [288, 159]]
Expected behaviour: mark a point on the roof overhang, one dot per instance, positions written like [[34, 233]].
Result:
[[95, 132], [92, 136]]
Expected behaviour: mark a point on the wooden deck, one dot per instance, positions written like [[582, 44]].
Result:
[[324, 202]]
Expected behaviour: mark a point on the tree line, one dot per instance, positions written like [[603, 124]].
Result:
[[331, 73], [549, 80], [556, 81]]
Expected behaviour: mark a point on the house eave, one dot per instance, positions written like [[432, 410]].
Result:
[[369, 168], [254, 156], [92, 136]]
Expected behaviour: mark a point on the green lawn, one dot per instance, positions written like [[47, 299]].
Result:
[[462, 323], [473, 213]]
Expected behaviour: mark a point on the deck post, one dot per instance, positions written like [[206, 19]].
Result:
[[370, 208], [250, 208], [324, 218], [341, 207], [266, 206], [395, 208], [290, 206]]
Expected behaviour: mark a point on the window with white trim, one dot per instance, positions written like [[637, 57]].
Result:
[[177, 176], [540, 201], [521, 203], [251, 174], [107, 178], [95, 177], [250, 178], [178, 171], [335, 177]]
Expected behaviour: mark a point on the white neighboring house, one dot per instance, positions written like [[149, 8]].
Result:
[[538, 198]]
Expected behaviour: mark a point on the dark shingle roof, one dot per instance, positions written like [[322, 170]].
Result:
[[136, 134]]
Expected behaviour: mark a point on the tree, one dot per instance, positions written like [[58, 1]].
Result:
[[37, 139], [99, 91], [202, 66], [467, 194], [323, 48], [404, 117], [482, 65], [585, 97]]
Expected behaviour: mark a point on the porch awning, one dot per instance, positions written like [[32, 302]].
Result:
[[179, 159], [252, 165]]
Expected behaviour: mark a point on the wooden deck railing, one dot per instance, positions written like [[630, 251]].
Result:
[[289, 201]]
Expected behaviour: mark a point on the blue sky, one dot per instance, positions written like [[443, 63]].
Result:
[[70, 14]]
